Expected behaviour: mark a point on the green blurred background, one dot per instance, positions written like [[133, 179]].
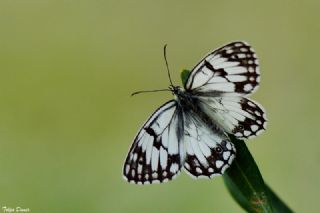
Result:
[[67, 69]]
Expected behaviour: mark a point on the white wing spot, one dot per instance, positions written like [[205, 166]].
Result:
[[233, 146], [135, 156], [254, 128], [229, 51], [251, 104], [251, 136], [257, 113], [228, 146], [210, 169], [214, 175], [224, 168], [247, 133], [156, 181], [258, 70], [243, 49], [264, 116], [265, 125], [127, 168], [163, 158], [198, 170], [174, 167], [238, 134], [258, 79], [226, 155], [155, 175], [241, 55], [231, 159], [251, 69], [164, 173], [187, 166], [219, 163], [248, 87], [139, 168], [259, 132]]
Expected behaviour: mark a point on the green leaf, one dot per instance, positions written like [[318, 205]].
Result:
[[277, 204], [184, 76], [244, 181]]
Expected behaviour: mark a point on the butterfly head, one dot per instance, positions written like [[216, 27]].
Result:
[[176, 90]]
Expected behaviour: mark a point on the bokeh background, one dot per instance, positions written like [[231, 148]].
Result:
[[67, 69]]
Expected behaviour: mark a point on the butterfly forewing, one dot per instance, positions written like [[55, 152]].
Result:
[[157, 151], [232, 69], [208, 153]]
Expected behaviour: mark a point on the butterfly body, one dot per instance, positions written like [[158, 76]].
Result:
[[189, 104], [191, 131]]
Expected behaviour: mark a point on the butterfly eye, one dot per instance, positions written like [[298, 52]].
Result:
[[238, 129], [218, 149]]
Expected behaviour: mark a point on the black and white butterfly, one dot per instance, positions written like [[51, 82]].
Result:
[[191, 131]]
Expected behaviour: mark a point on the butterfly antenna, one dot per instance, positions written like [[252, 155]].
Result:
[[144, 91], [165, 58]]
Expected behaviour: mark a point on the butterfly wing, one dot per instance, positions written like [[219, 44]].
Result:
[[240, 116], [208, 153], [156, 154], [219, 83], [231, 69]]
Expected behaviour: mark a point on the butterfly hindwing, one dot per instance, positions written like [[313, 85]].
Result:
[[239, 116], [155, 155], [208, 153], [232, 69]]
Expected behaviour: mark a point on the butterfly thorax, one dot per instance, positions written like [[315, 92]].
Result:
[[182, 97], [189, 104]]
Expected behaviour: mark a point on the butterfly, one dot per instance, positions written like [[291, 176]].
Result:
[[191, 132]]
